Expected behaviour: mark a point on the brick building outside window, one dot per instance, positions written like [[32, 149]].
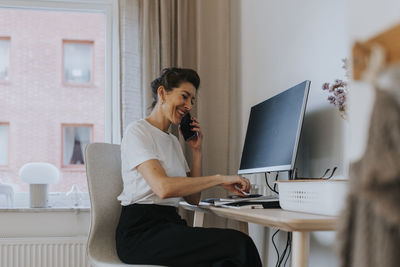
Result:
[[52, 91], [4, 58]]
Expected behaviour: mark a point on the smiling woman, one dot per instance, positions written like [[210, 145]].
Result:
[[186, 80], [156, 177]]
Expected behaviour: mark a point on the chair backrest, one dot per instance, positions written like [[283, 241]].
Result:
[[103, 171]]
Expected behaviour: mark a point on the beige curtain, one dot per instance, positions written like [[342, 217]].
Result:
[[184, 33], [168, 38], [217, 96]]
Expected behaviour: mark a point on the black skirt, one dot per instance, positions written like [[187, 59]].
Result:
[[156, 234]]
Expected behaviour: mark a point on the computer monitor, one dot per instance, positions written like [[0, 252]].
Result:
[[273, 132]]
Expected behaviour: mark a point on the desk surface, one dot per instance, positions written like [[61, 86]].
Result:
[[277, 218]]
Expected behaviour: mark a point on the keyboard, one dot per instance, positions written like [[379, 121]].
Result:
[[250, 201]]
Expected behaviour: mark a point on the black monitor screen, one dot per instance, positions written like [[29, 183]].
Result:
[[273, 131]]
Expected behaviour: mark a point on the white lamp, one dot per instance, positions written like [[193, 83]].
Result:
[[38, 175]]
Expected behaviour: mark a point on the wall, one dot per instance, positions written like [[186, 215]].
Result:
[[278, 44], [63, 222]]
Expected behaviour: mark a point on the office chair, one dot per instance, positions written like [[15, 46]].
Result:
[[103, 171]]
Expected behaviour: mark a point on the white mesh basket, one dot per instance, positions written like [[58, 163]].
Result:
[[326, 197]]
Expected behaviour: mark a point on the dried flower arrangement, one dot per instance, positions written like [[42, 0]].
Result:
[[338, 92]]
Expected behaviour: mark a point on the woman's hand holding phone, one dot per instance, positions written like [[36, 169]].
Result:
[[195, 142], [190, 129]]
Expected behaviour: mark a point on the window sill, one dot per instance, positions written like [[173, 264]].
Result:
[[23, 222], [57, 202], [48, 209]]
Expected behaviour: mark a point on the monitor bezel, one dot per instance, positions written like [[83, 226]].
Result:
[[290, 166]]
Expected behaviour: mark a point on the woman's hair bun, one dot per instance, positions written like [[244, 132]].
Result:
[[155, 84]]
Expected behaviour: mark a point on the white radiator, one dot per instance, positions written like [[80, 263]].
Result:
[[43, 252]]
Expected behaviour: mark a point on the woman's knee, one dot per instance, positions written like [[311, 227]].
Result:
[[242, 248]]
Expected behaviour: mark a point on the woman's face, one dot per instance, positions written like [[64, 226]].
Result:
[[178, 102]]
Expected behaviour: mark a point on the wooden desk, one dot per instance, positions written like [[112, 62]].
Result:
[[301, 224]]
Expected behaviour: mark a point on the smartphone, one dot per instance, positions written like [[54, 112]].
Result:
[[186, 128]]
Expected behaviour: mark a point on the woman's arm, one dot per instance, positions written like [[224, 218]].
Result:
[[194, 199], [195, 144], [167, 187]]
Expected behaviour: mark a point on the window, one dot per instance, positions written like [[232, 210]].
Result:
[[3, 144], [75, 138], [37, 104], [4, 58], [78, 61]]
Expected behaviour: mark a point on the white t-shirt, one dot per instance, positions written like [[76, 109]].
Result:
[[141, 142]]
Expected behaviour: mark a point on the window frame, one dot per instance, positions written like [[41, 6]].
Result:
[[77, 84], [5, 37], [77, 167], [5, 167]]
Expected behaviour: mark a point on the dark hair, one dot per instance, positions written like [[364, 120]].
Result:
[[171, 78]]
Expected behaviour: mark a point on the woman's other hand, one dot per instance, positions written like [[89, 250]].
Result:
[[195, 142], [236, 184]]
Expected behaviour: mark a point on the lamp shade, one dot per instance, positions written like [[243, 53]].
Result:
[[39, 173]]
